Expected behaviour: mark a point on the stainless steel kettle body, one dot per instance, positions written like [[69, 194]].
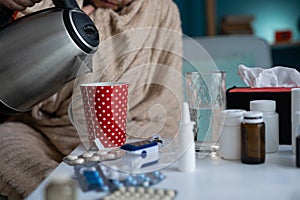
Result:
[[40, 53]]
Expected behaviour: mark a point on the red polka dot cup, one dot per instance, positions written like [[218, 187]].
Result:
[[105, 109]]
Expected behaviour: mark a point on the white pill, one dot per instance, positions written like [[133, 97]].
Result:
[[79, 161], [117, 193], [110, 156], [141, 189], [137, 195], [160, 192], [150, 190], [95, 158], [122, 189], [71, 157], [147, 196], [131, 189], [87, 154], [127, 194], [156, 197], [146, 184], [101, 153], [171, 193]]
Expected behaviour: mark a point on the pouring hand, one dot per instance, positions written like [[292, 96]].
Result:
[[19, 5]]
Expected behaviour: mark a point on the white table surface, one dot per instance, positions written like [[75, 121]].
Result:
[[215, 178]]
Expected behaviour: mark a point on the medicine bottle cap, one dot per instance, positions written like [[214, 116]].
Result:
[[232, 113], [253, 117], [232, 117], [263, 105]]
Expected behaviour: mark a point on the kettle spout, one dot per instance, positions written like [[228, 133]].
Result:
[[80, 67]]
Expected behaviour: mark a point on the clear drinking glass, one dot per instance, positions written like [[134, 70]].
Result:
[[206, 94]]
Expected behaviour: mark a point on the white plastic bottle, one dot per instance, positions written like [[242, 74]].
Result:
[[187, 161], [295, 107], [271, 119], [230, 138]]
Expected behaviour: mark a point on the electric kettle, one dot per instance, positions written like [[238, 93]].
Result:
[[41, 52]]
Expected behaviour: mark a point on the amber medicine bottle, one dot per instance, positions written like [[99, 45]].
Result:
[[253, 138]]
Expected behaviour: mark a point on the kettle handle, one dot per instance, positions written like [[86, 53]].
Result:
[[5, 16]]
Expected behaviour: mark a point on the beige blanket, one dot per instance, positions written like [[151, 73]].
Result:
[[141, 44]]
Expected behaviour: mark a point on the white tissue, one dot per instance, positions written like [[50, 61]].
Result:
[[271, 77]]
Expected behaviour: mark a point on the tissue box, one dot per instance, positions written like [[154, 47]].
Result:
[[239, 98]]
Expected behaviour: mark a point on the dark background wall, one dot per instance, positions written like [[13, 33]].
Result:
[[270, 15]]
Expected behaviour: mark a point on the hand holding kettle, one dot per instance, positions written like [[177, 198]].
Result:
[[19, 5]]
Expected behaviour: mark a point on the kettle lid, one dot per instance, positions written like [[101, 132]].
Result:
[[81, 29]]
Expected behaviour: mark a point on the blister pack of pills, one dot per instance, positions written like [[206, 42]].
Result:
[[138, 193], [93, 156], [95, 176]]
